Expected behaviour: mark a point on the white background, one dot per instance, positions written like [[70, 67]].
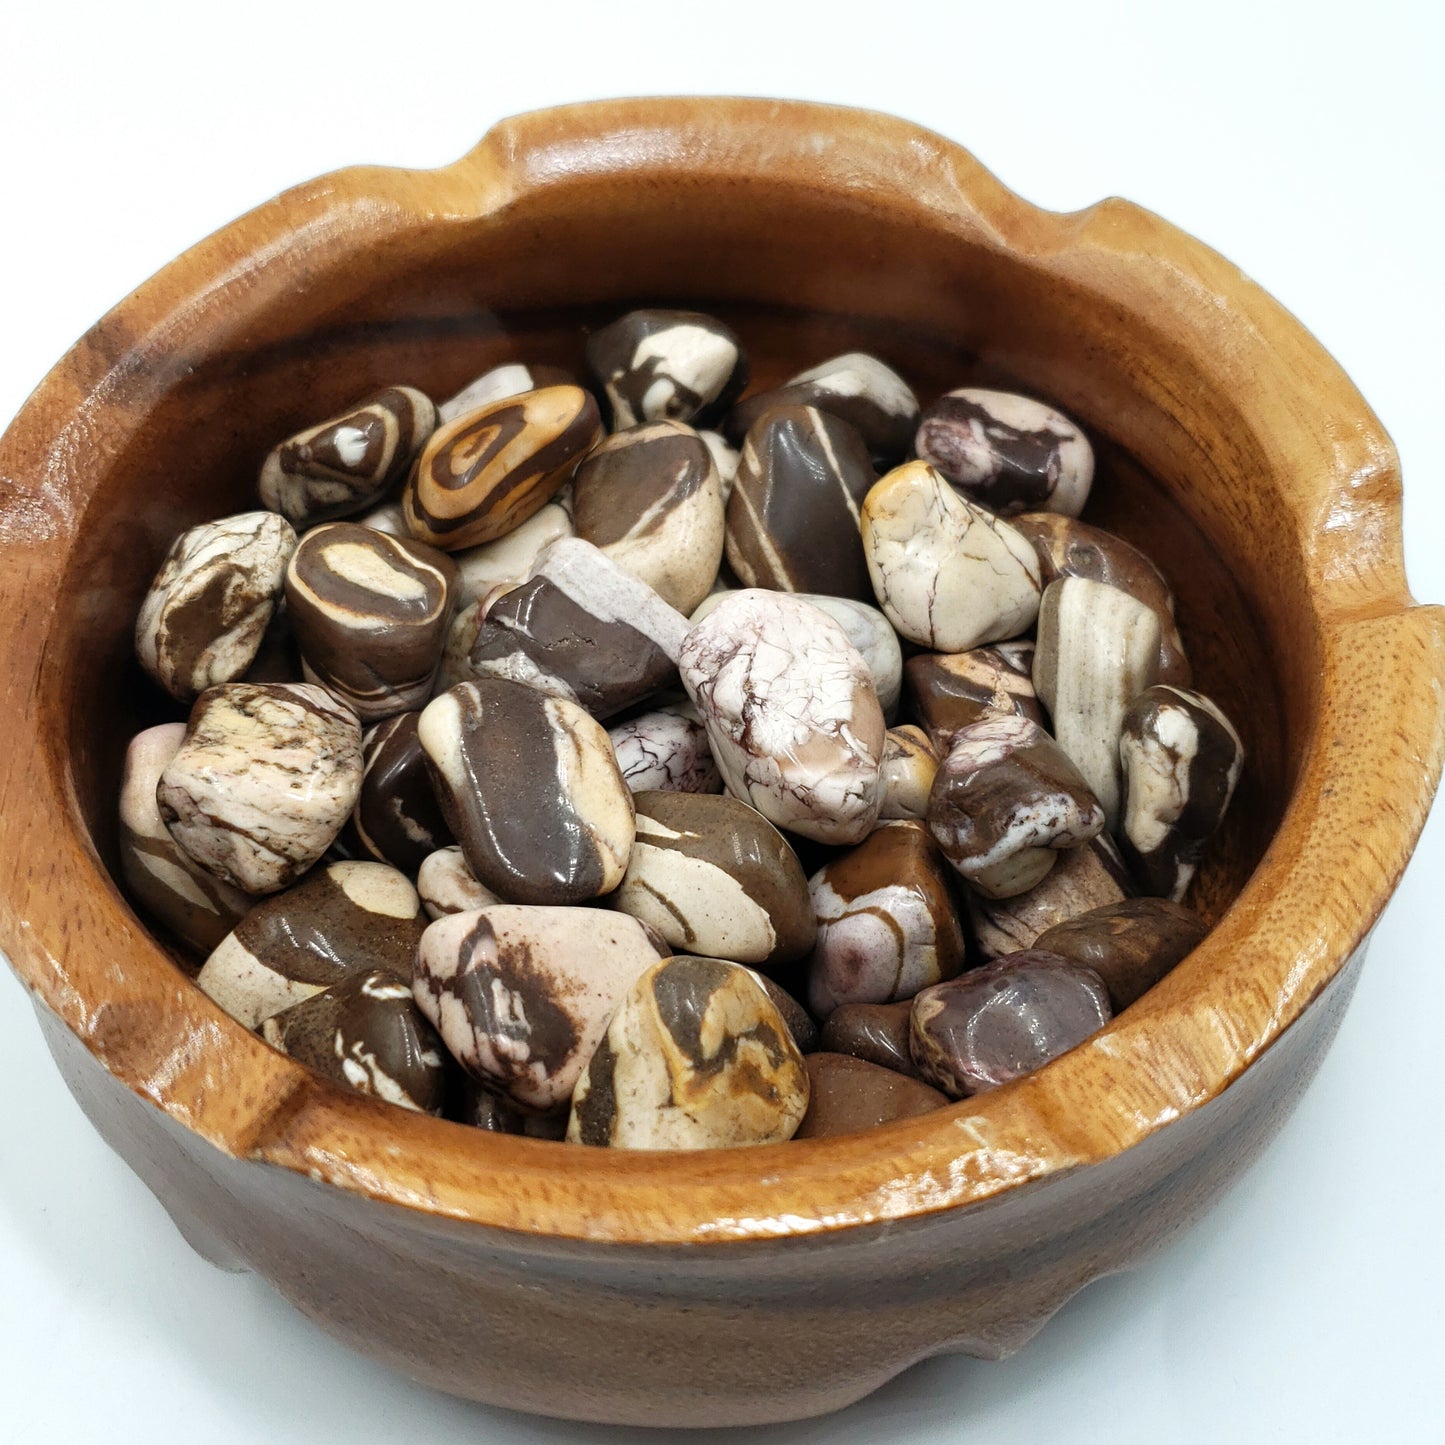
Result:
[[1304, 141]]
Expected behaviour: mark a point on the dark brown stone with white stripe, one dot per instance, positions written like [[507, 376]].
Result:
[[848, 1095], [370, 614], [346, 464], [397, 817], [1130, 945], [661, 365], [489, 470], [1181, 760], [875, 1032], [529, 786], [792, 519], [367, 1034], [947, 691], [1068, 547], [858, 389]]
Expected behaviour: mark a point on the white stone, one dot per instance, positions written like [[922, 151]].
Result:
[[447, 885], [510, 558], [666, 750]]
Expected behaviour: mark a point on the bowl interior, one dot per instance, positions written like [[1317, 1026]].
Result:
[[801, 274]]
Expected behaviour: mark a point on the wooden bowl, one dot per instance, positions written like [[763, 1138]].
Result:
[[751, 1285]]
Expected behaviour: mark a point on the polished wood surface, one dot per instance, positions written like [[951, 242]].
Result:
[[1232, 449]]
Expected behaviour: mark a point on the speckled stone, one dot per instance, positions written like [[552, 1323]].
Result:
[[521, 995], [265, 778], [447, 884], [529, 786], [347, 463], [370, 613], [510, 559], [170, 887], [713, 876], [909, 766], [203, 618], [1005, 801], [1067, 547], [1000, 1022], [848, 1095], [666, 750], [874, 1032], [696, 1057], [1098, 649], [886, 921], [367, 1034], [482, 475], [791, 713], [947, 574], [793, 517], [1130, 945], [651, 500], [948, 691], [661, 365], [856, 387], [1007, 452], [512, 378], [1181, 760], [343, 920], [397, 818]]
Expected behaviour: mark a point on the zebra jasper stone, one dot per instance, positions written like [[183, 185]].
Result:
[[397, 817]]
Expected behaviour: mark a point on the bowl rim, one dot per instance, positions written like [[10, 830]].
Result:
[[1308, 907]]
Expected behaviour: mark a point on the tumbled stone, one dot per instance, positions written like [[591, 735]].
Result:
[[725, 458], [367, 1034], [482, 475], [1098, 649], [665, 751], [521, 995], [949, 691], [1067, 547], [278, 659], [713, 876], [343, 920], [1181, 760], [512, 378], [908, 769], [661, 365], [651, 500], [582, 629], [370, 613], [696, 1057], [799, 1021], [856, 387], [261, 785], [204, 616], [848, 1095], [791, 713], [1007, 452], [997, 1023], [1005, 801], [345, 464], [1130, 945], [387, 517], [948, 575], [510, 559], [168, 884], [874, 1032], [886, 921], [397, 817], [447, 884], [1085, 877], [529, 786], [793, 517]]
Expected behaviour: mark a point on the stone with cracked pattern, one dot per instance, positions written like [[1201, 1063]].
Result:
[[791, 714], [447, 884], [666, 750], [263, 782], [848, 1095], [696, 1057], [206, 611], [530, 788], [521, 995], [1007, 452], [397, 818], [348, 462], [948, 575], [713, 876], [909, 766], [948, 691], [342, 920], [511, 378]]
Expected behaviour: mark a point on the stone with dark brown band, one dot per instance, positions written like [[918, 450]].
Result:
[[485, 473], [397, 817], [346, 464], [792, 519], [370, 614], [947, 691]]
